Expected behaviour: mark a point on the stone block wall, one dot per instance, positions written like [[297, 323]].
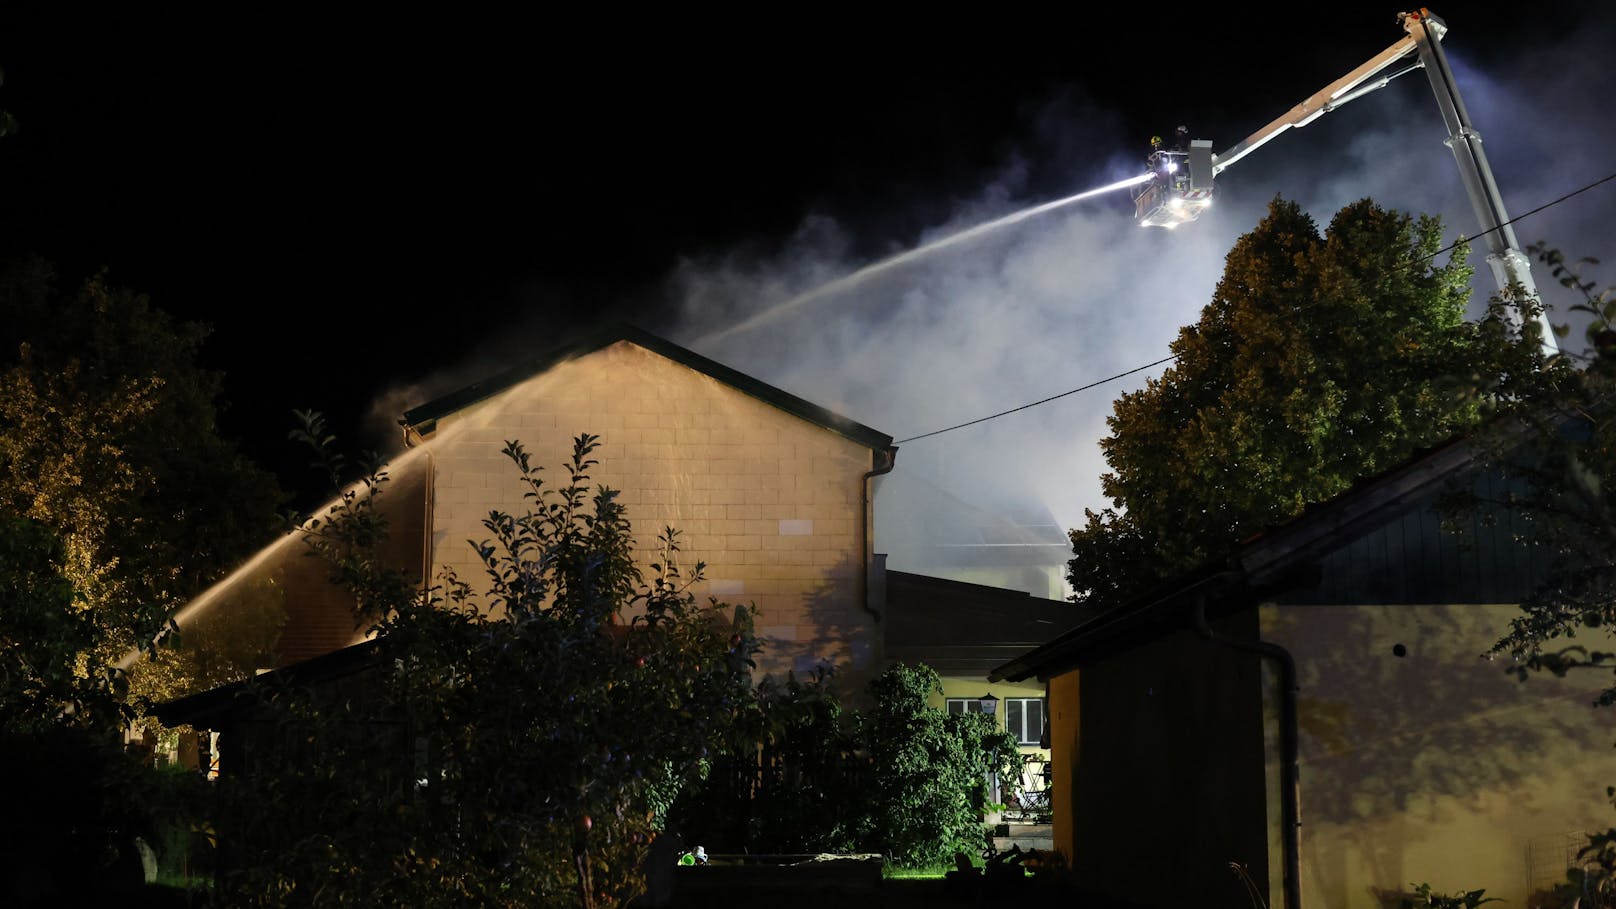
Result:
[[768, 500]]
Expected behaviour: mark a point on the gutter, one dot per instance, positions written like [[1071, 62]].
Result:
[[889, 459], [413, 438], [1107, 626], [1290, 785]]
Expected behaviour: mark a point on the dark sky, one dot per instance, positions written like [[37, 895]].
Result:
[[355, 200]]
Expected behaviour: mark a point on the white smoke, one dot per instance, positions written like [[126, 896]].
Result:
[[1056, 302], [1081, 294]]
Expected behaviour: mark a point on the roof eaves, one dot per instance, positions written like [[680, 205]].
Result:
[[1114, 625], [200, 708], [611, 334], [1266, 559]]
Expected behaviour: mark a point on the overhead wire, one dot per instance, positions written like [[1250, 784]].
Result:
[[1168, 359], [1005, 413]]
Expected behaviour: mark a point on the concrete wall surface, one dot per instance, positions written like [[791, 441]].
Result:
[[1423, 762]]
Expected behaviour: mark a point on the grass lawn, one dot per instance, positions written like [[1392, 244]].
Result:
[[915, 874]]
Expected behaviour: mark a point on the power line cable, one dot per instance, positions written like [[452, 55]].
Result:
[[1063, 394], [1170, 358], [1521, 217]]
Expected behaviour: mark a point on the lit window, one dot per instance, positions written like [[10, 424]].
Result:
[[1024, 719], [965, 705]]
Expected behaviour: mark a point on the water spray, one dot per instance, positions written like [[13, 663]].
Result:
[[869, 271]]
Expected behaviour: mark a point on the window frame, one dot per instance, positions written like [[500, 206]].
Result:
[[968, 705], [1020, 734]]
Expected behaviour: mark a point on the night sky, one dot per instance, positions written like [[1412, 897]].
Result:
[[322, 187]]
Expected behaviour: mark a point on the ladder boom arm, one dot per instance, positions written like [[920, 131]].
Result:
[[1347, 88], [1511, 267]]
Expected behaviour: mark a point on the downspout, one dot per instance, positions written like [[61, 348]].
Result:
[[888, 459], [413, 438], [1290, 778]]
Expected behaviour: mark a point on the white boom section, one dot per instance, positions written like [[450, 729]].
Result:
[[1347, 88], [1511, 268]]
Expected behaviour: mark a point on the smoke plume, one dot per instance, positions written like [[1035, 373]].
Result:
[[1080, 294]]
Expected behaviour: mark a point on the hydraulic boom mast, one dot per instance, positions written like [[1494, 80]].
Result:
[[1512, 270], [1169, 202]]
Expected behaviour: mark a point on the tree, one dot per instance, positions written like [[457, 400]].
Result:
[[1557, 445], [117, 500], [1320, 360], [63, 764], [521, 746], [901, 778], [928, 784], [1562, 459], [108, 441], [43, 634]]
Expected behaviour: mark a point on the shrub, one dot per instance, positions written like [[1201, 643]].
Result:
[[901, 778], [511, 751]]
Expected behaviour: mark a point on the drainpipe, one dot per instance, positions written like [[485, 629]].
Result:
[[1290, 778], [888, 459], [413, 438]]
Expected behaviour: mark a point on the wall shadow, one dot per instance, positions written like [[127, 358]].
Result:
[[1411, 739]]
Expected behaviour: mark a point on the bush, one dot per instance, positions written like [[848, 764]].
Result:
[[503, 753], [902, 778], [1423, 898]]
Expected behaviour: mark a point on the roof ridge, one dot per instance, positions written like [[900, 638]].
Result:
[[612, 333]]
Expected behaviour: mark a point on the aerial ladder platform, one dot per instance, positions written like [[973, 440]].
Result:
[[1182, 172]]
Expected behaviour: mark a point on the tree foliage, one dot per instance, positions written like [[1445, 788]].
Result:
[[118, 499], [1562, 456], [1320, 360], [520, 746], [108, 440], [900, 778], [929, 770], [78, 796], [44, 634]]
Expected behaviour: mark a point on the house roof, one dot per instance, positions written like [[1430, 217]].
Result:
[[211, 708], [1259, 566], [206, 709], [954, 627], [423, 416], [966, 629]]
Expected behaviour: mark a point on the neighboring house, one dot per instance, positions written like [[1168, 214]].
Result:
[[1338, 657], [770, 491], [963, 631]]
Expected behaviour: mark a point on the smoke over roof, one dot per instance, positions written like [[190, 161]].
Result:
[[1080, 294]]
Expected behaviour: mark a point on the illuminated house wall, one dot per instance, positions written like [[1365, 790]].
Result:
[[770, 501], [281, 607], [1421, 760], [763, 487]]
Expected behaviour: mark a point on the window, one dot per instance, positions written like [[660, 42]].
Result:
[[965, 705], [1024, 719]]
